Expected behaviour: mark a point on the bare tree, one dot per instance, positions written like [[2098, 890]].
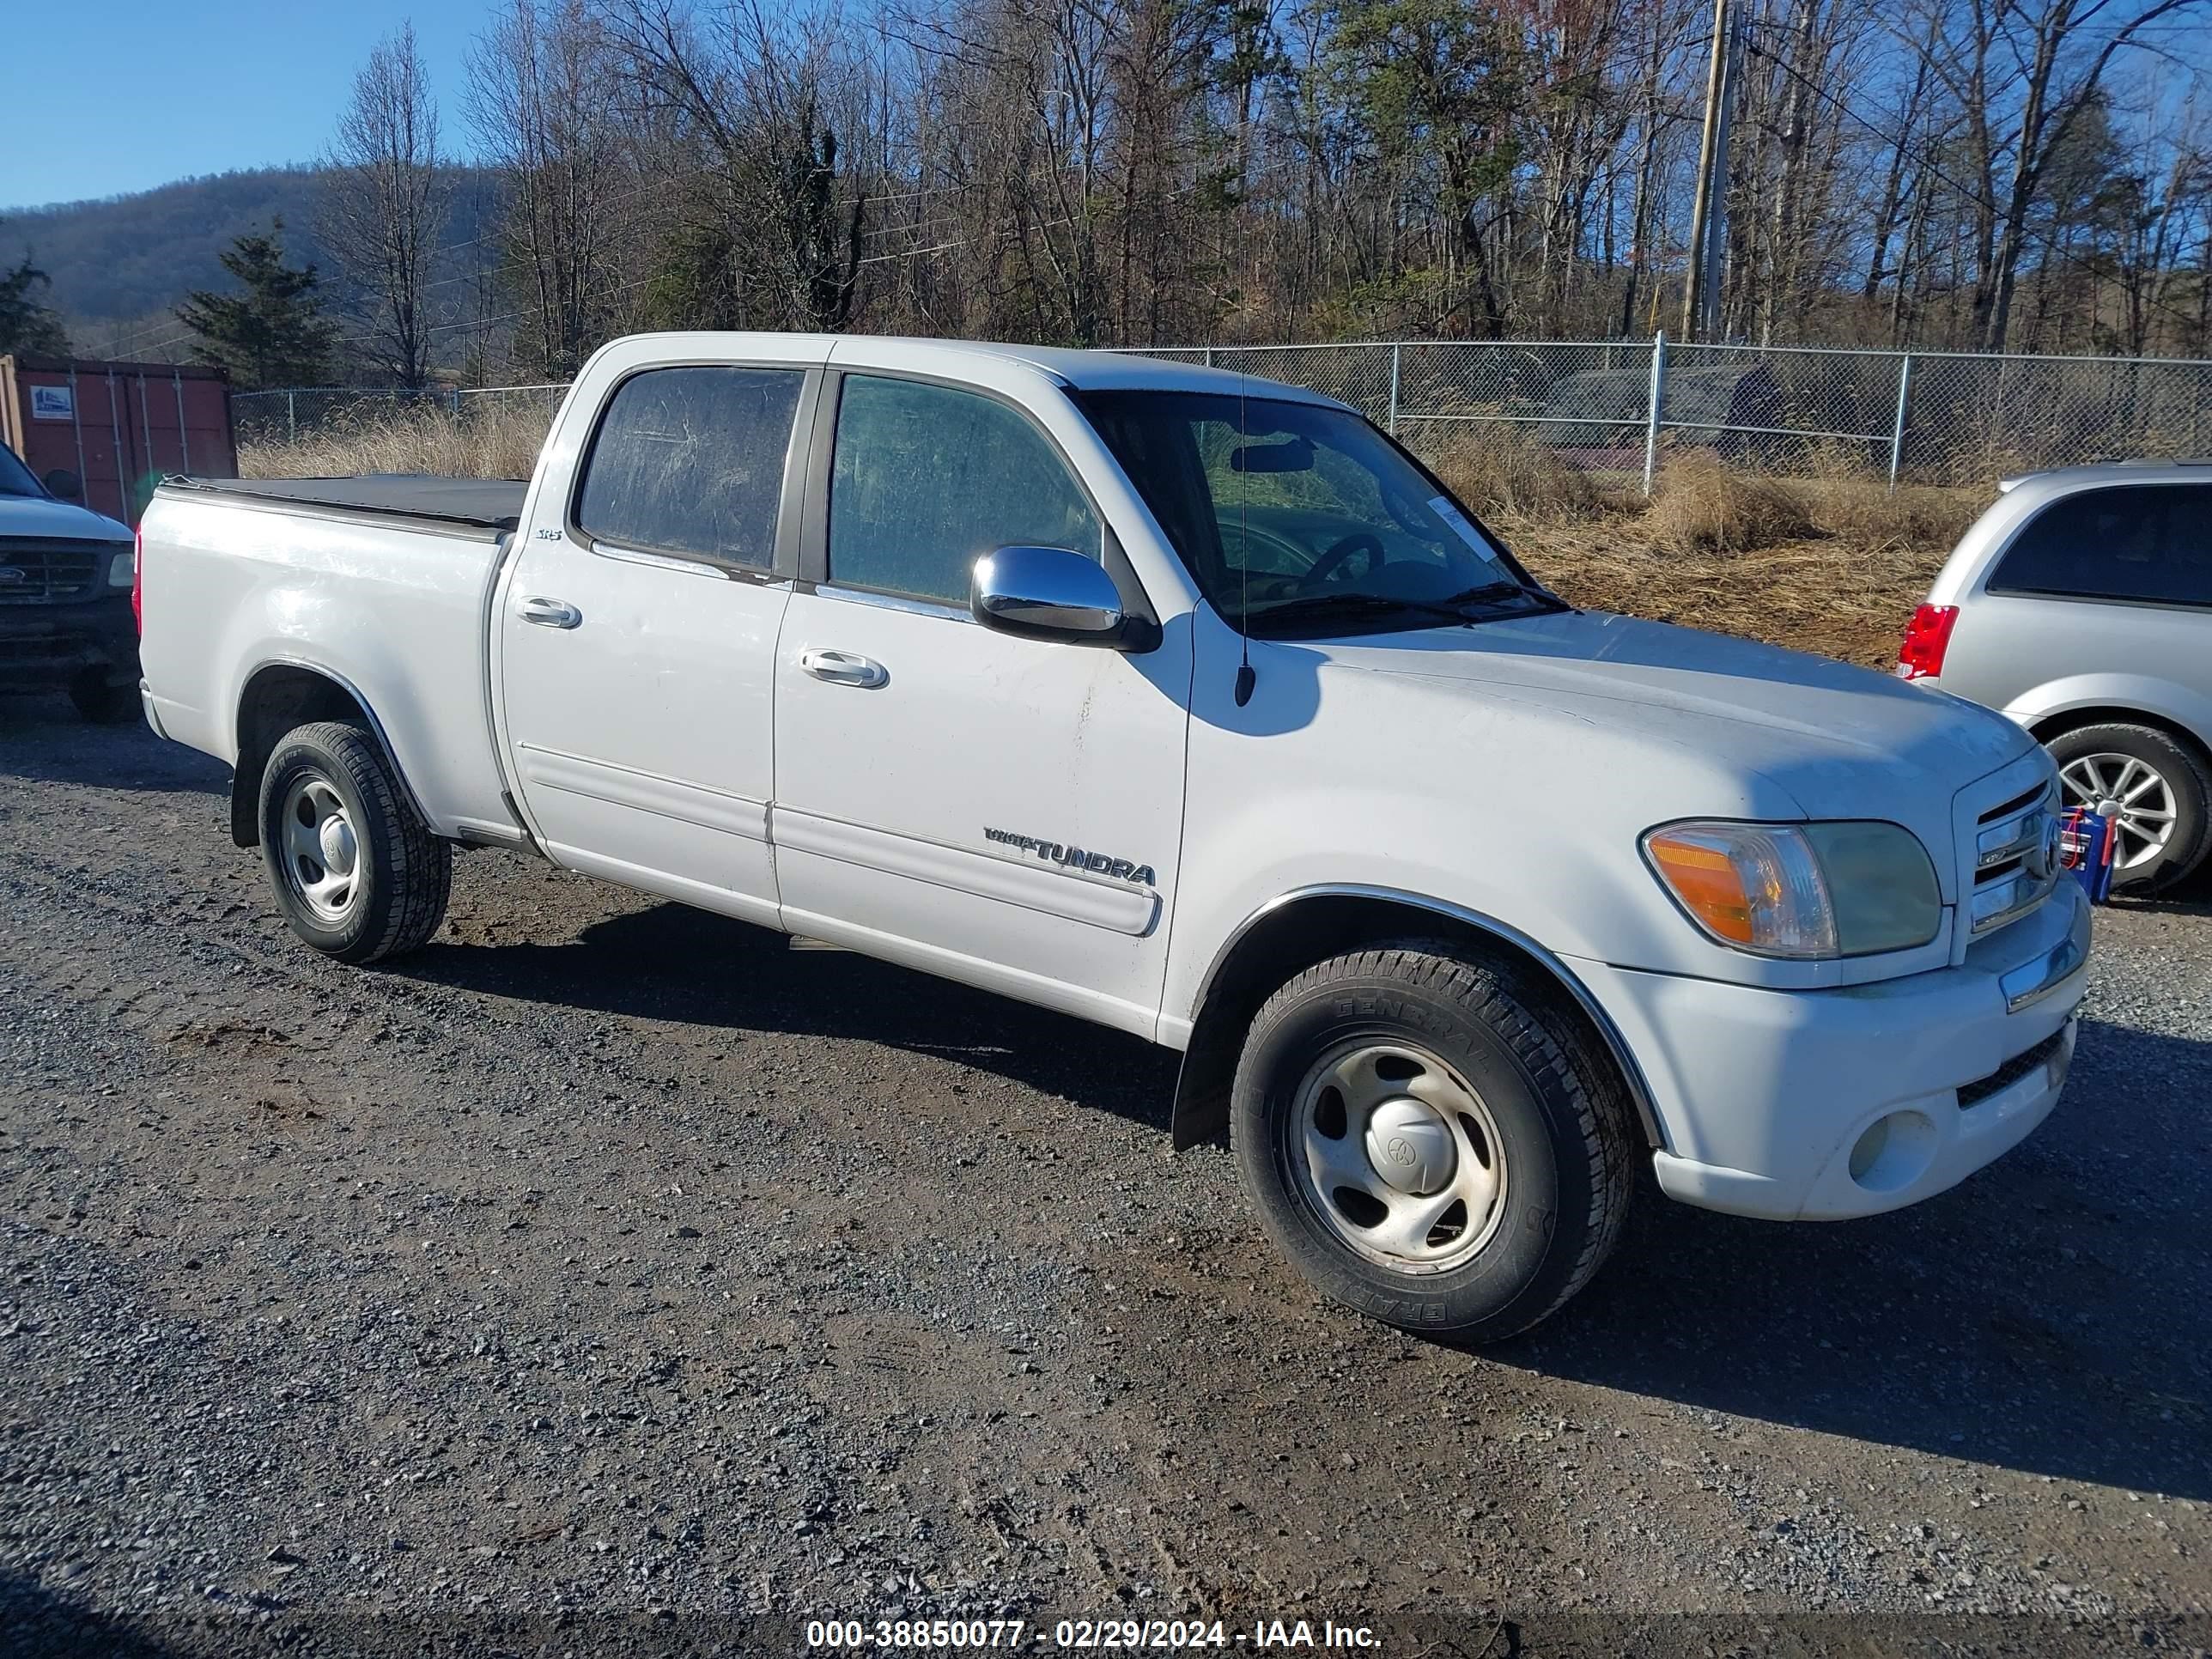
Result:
[[2025, 72], [541, 80], [760, 96], [1137, 172], [383, 208]]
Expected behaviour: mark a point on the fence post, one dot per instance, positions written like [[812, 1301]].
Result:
[[184, 438], [291, 416], [455, 398], [1658, 398], [1397, 359], [1897, 431], [1209, 356]]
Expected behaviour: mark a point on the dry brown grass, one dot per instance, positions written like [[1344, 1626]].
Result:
[[1820, 595], [1507, 479], [489, 442], [1833, 565], [1703, 505], [1864, 512]]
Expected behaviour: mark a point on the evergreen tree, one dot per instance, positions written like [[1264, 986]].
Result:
[[26, 326], [274, 333]]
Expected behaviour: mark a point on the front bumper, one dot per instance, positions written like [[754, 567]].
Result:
[[1769, 1099], [45, 646]]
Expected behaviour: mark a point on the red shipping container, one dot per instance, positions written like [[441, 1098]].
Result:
[[120, 428]]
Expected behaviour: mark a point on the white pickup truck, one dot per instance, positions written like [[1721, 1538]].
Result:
[[1190, 704]]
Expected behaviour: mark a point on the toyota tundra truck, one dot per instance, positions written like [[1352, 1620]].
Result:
[[1185, 702]]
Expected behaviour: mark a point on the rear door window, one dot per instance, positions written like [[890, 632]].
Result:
[[690, 462], [928, 478], [2151, 544]]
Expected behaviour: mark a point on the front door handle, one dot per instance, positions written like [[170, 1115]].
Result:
[[844, 668], [549, 613]]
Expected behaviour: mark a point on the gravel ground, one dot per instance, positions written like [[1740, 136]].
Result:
[[610, 1262]]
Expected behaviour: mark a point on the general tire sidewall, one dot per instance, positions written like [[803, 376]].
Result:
[[297, 758], [1514, 1279]]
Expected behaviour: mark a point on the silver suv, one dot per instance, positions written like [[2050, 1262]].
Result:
[[2081, 605]]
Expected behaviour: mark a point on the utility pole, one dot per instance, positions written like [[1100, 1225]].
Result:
[[1712, 165]]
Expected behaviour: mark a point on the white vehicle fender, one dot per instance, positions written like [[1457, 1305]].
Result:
[[417, 672]]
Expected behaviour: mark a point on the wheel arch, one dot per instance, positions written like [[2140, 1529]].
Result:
[[278, 696], [2057, 725], [1300, 928]]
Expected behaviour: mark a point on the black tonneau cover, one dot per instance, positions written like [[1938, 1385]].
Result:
[[481, 503]]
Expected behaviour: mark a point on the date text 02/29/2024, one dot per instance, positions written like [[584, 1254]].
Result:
[[1108, 1634]]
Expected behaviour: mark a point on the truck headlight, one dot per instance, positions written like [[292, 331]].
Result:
[[1849, 889], [122, 569]]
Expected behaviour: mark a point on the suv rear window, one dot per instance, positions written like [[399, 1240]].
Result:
[[690, 462], [2148, 543]]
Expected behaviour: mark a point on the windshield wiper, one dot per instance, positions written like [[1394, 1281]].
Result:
[[1487, 592], [1324, 607]]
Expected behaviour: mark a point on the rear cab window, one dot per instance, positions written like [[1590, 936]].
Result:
[[2138, 544], [689, 463]]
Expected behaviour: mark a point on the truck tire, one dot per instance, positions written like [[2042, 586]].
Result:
[[2148, 772], [1432, 1139], [358, 875], [102, 700]]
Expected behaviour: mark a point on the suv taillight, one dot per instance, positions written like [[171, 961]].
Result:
[[138, 582], [1927, 636]]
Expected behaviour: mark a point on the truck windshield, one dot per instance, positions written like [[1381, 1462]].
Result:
[[1294, 515], [15, 478]]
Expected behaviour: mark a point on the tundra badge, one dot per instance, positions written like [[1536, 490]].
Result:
[[1074, 858]]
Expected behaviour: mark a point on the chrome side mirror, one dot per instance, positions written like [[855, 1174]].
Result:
[[1048, 593]]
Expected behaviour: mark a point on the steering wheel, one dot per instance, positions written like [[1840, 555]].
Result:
[[1340, 553]]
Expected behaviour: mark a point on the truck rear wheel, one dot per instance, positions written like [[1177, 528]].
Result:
[[1431, 1141], [358, 875]]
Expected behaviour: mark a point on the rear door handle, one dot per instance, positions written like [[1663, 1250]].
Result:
[[844, 668], [549, 613]]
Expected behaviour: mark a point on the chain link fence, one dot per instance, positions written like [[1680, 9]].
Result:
[[1617, 407], [292, 413]]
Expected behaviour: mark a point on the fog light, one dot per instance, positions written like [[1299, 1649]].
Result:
[[1894, 1151]]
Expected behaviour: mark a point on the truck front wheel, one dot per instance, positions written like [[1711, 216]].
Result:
[[358, 874], [1430, 1140]]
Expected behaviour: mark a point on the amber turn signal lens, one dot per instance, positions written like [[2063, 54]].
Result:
[[1707, 881]]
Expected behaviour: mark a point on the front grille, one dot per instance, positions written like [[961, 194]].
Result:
[[2012, 864], [34, 572], [1974, 1093]]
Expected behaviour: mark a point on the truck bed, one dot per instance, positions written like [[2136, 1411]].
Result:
[[486, 504], [382, 584]]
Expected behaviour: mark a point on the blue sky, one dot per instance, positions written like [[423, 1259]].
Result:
[[148, 92]]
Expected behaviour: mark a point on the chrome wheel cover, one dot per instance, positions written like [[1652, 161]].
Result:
[[2133, 792], [320, 850], [1398, 1155]]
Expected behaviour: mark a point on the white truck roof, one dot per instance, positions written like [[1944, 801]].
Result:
[[1091, 371]]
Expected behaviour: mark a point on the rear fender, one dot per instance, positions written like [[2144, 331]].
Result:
[[278, 696]]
